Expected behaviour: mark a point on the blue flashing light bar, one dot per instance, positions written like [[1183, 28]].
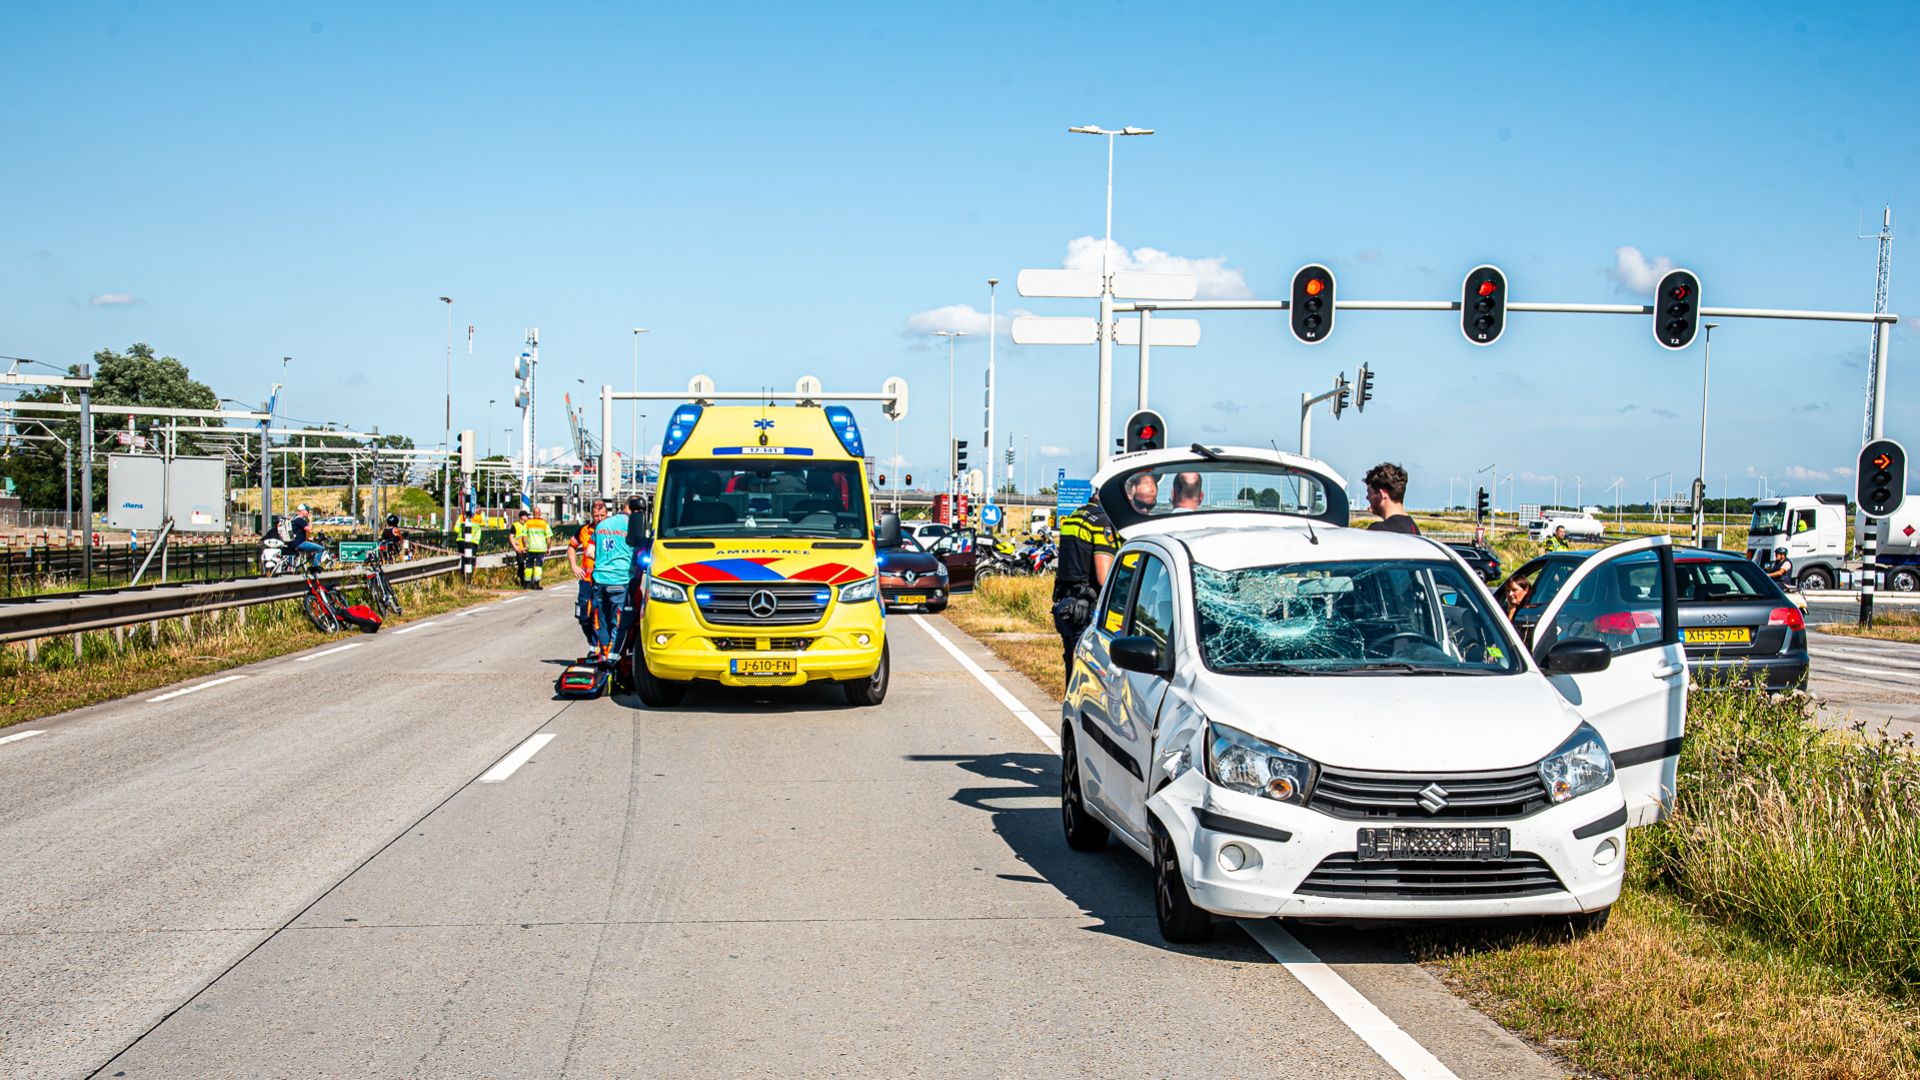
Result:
[[679, 429], [841, 418]]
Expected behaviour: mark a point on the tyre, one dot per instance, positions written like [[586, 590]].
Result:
[[1905, 579], [1818, 577], [1181, 922], [1575, 927], [319, 614], [388, 598], [656, 693], [871, 690], [1084, 831]]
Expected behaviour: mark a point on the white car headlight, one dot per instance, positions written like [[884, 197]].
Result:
[[665, 591], [1582, 764], [864, 589], [1239, 762]]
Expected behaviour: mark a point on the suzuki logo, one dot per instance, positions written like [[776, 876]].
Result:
[[1433, 798], [763, 604]]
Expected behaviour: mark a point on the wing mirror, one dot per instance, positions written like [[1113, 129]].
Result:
[[1137, 652], [888, 535], [1577, 658]]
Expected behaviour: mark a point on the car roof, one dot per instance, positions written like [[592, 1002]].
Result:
[[1228, 541]]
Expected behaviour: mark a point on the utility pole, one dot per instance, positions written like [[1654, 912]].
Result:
[[86, 470], [1877, 355], [1700, 484], [446, 438], [1103, 426], [993, 331]]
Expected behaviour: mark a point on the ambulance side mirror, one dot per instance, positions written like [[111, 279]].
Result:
[[888, 535]]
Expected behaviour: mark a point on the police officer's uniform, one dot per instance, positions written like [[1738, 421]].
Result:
[[1085, 533]]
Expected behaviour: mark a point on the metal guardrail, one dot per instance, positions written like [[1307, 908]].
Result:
[[27, 618]]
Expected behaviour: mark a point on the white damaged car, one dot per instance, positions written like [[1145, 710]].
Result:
[[1289, 717]]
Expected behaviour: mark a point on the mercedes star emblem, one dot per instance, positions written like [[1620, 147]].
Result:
[[763, 604]]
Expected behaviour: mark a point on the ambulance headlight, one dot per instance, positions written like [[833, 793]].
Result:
[[665, 591], [864, 589]]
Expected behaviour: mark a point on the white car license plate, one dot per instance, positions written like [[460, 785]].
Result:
[[1453, 845]]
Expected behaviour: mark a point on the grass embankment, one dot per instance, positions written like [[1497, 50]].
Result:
[[1770, 927], [1895, 625], [164, 652]]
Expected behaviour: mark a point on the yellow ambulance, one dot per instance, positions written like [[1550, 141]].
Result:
[[759, 567]]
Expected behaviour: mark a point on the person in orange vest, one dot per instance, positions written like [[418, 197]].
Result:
[[580, 557]]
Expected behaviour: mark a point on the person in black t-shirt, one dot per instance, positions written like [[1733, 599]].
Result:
[[1086, 551], [1386, 490]]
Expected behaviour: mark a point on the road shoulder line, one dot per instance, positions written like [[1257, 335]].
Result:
[[1399, 1050]]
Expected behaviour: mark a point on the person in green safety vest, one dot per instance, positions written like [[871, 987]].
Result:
[[1558, 541], [536, 536]]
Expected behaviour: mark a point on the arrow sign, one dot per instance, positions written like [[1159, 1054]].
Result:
[[1883, 460]]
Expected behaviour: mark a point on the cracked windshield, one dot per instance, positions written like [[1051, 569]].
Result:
[[1375, 616], [718, 498]]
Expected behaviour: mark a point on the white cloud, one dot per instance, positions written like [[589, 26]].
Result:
[[1843, 470], [1216, 281], [113, 299], [1801, 472], [963, 317], [1049, 451], [1633, 273]]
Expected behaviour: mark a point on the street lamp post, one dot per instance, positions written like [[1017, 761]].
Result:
[[1700, 504], [953, 480], [490, 427], [1103, 426], [446, 438], [635, 429], [993, 331]]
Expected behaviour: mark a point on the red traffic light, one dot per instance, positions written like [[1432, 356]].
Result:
[[1315, 287], [1487, 288], [1148, 431], [1679, 292]]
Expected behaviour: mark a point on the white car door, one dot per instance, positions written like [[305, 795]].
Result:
[[1106, 769], [1624, 597], [1137, 695]]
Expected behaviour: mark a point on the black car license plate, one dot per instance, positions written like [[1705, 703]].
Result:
[[1458, 845]]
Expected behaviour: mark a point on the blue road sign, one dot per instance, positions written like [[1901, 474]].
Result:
[[990, 515], [1071, 495]]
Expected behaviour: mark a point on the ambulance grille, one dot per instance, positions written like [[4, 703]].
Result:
[[796, 603]]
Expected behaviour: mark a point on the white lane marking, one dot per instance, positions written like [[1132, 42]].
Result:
[[18, 735], [1021, 712], [194, 689], [515, 600], [1877, 671], [522, 754], [1864, 657], [1398, 1049], [415, 626], [327, 652]]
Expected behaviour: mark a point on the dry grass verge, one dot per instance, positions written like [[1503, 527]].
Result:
[[1770, 929], [1897, 625], [164, 652]]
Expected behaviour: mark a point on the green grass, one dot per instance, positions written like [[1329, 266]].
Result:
[[167, 650]]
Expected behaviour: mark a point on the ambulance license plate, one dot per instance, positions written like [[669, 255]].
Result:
[[1450, 845], [1716, 635], [771, 665]]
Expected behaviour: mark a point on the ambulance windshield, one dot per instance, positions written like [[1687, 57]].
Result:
[[813, 500]]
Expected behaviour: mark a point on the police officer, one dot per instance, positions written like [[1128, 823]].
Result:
[[467, 539], [1558, 541], [1086, 552]]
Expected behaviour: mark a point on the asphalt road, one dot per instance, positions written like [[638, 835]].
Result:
[[1861, 679], [332, 866]]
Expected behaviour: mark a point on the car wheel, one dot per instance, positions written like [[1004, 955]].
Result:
[[1181, 921], [935, 609], [871, 690], [1084, 832], [1578, 926], [1904, 579], [656, 693], [1816, 578]]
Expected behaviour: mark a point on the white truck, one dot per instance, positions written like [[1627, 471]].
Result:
[[1813, 529], [1580, 524]]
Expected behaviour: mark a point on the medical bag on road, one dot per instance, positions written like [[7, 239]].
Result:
[[583, 680]]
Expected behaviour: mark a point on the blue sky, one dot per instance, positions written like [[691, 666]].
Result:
[[779, 190]]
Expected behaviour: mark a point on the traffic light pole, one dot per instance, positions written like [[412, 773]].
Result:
[[1307, 402], [1870, 551]]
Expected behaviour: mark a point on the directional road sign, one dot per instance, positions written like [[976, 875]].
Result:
[[991, 515]]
